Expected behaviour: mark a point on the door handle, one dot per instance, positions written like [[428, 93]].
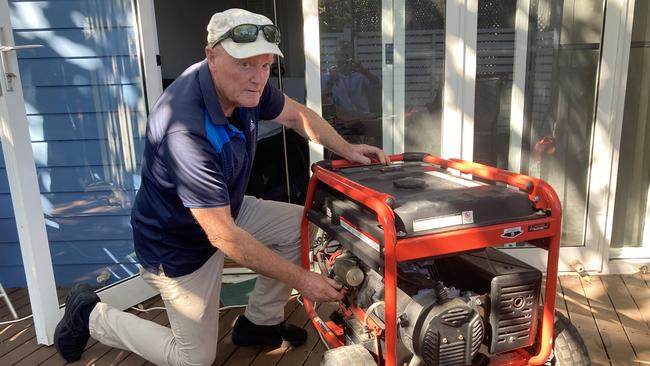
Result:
[[10, 76], [17, 48]]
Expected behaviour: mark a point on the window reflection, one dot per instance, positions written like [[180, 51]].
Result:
[[351, 57], [424, 75], [494, 77], [348, 86], [561, 84]]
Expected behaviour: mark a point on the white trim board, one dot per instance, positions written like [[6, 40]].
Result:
[[518, 97], [21, 173], [146, 19], [126, 293], [612, 83], [312, 69], [393, 19], [460, 79]]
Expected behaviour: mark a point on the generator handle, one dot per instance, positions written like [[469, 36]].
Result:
[[342, 163], [527, 184]]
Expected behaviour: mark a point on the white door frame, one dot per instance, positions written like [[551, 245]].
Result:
[[612, 80], [148, 38], [617, 259], [312, 69], [518, 97], [460, 79], [392, 91], [23, 184]]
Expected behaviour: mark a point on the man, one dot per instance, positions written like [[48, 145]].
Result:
[[191, 210], [349, 86]]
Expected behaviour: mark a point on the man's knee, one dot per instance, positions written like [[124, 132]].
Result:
[[293, 213], [200, 356]]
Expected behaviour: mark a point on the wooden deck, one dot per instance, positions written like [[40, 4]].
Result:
[[611, 312]]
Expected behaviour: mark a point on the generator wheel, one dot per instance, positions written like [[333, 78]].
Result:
[[352, 355], [568, 347]]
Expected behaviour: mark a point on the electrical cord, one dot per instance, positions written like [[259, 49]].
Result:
[[16, 321], [143, 310], [371, 308], [146, 310], [320, 335]]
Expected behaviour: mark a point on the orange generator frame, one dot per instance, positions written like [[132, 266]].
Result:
[[541, 195]]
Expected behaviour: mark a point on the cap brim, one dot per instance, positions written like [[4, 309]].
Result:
[[246, 50]]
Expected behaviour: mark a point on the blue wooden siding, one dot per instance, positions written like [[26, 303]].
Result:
[[85, 107]]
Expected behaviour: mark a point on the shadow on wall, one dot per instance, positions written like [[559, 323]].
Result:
[[86, 110]]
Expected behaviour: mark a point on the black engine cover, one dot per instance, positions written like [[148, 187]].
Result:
[[513, 287]]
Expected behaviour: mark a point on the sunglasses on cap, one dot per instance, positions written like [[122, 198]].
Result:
[[247, 33]]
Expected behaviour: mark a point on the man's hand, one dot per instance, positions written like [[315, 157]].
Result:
[[320, 288], [248, 252], [362, 153], [310, 125]]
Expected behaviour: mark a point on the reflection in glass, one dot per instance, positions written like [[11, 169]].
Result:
[[564, 50], [632, 208], [494, 75], [351, 57], [86, 110], [424, 75]]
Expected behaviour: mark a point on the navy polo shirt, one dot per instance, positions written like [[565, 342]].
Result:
[[193, 157]]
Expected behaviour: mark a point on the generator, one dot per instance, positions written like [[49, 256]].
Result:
[[413, 244]]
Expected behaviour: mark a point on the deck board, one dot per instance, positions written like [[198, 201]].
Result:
[[611, 312], [611, 331], [623, 302], [639, 288], [581, 317]]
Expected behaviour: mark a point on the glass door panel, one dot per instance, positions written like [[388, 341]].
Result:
[[351, 68], [424, 75], [494, 81], [86, 110], [631, 225], [561, 83]]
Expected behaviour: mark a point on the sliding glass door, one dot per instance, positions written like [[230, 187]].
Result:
[[631, 227], [85, 106]]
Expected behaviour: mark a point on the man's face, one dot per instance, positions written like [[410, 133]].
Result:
[[239, 82], [343, 55]]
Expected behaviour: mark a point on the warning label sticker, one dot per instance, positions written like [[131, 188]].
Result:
[[468, 217], [369, 240]]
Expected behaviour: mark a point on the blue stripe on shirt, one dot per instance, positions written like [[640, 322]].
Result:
[[220, 135]]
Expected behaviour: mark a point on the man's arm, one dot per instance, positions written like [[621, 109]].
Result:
[[250, 253], [310, 125], [372, 78]]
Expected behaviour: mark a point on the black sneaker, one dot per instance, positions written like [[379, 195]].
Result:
[[71, 334], [245, 333]]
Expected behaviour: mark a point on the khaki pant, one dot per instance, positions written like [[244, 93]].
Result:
[[192, 301]]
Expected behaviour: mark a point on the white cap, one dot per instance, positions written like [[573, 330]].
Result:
[[221, 23]]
